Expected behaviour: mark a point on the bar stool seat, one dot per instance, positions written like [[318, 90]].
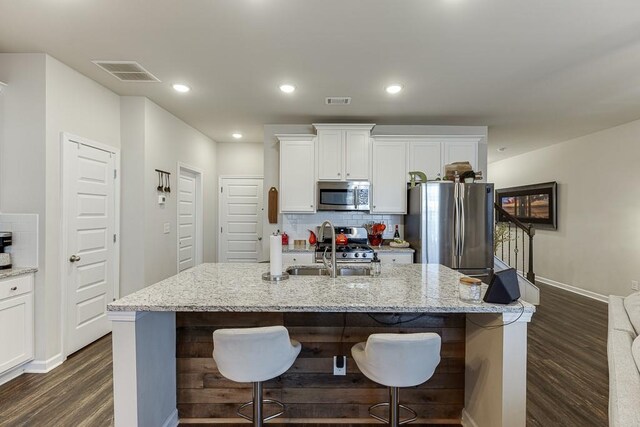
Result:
[[397, 360], [255, 355]]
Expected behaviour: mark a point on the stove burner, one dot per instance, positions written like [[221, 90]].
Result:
[[352, 252]]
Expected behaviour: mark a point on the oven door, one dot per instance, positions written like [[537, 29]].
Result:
[[343, 196]]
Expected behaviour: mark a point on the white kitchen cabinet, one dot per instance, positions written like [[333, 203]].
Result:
[[330, 155], [389, 177], [16, 321], [396, 258], [461, 151], [425, 156], [344, 152], [297, 174], [289, 259]]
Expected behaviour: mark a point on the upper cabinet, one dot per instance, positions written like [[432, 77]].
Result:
[[344, 152], [297, 179], [425, 156], [389, 179], [461, 150]]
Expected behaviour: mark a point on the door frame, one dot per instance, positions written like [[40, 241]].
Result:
[[64, 198], [199, 212], [220, 179]]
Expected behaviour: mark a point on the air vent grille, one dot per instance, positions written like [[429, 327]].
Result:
[[127, 71], [337, 100]]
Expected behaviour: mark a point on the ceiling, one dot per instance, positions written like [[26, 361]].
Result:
[[536, 72]]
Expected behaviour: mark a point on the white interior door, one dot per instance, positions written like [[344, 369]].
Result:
[[187, 220], [241, 206], [89, 255]]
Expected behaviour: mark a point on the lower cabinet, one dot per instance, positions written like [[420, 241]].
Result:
[[396, 258], [289, 259], [16, 321]]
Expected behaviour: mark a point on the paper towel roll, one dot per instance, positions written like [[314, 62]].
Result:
[[275, 244]]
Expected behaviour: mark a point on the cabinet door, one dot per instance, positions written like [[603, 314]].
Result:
[[16, 330], [389, 182], [297, 259], [330, 155], [396, 258], [425, 156], [357, 155], [297, 176], [461, 152]]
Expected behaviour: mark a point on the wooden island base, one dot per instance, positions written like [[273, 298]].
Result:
[[310, 391]]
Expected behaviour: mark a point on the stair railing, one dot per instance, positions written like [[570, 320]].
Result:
[[506, 238]]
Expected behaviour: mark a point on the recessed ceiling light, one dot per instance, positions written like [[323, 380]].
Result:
[[237, 135], [502, 149], [179, 87], [393, 89], [287, 88]]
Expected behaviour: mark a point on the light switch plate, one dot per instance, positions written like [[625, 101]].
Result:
[[634, 285], [167, 227]]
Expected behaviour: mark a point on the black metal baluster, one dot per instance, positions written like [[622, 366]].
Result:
[[509, 249]]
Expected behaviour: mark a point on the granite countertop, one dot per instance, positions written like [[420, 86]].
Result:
[[235, 287], [311, 249], [292, 250], [17, 271], [387, 248]]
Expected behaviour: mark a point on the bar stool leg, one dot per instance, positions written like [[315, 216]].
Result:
[[257, 404], [394, 406]]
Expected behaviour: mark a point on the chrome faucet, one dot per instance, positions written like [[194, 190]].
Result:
[[333, 270]]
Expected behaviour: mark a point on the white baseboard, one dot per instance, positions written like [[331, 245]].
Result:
[[467, 421], [12, 373], [574, 289], [172, 419], [44, 366]]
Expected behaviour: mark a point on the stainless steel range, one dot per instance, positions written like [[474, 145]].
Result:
[[356, 249]]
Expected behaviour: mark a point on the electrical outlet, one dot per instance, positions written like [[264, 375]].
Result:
[[634, 285], [167, 227], [339, 365]]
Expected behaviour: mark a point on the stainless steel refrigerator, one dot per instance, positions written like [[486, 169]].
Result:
[[452, 224]]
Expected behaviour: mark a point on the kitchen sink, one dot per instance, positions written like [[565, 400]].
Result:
[[312, 270]]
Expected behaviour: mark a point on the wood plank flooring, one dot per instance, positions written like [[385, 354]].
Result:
[[567, 374], [568, 377], [77, 393]]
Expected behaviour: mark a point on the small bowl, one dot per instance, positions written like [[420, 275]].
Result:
[[375, 239]]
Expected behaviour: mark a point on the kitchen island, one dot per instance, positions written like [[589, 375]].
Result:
[[162, 345]]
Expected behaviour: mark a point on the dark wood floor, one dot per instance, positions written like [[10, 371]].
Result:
[[567, 374], [567, 378]]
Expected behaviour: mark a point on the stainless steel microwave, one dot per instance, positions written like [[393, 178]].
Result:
[[343, 196]]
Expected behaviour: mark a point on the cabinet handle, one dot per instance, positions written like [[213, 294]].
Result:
[[348, 174], [310, 206], [394, 260], [338, 173], [295, 260], [15, 288]]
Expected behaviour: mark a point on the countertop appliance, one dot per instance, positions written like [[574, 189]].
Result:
[[343, 196], [6, 239], [452, 224], [356, 249]]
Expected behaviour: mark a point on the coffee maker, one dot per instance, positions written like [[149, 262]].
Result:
[[5, 258]]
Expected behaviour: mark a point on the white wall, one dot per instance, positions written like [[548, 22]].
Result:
[[78, 105], [168, 140], [43, 99], [597, 244], [240, 158], [132, 206]]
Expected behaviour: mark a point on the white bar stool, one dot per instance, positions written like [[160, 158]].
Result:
[[254, 355], [397, 360]]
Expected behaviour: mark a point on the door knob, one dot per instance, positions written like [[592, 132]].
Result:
[[74, 258], [260, 238]]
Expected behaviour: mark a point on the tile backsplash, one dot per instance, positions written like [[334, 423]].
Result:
[[297, 225], [24, 227]]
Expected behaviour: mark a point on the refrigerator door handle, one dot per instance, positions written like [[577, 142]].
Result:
[[456, 225], [462, 224]]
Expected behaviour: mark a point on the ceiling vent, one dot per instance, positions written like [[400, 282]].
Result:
[[127, 71], [337, 100]]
